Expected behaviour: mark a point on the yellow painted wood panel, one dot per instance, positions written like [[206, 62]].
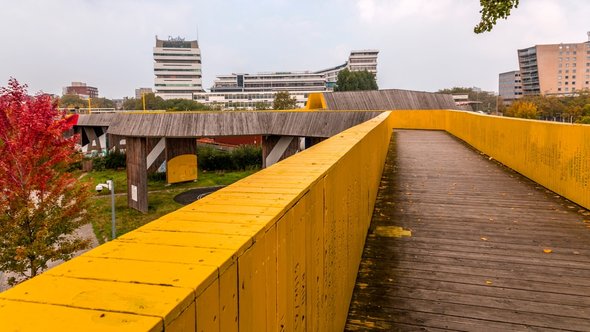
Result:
[[181, 168], [208, 309], [314, 245], [162, 253], [35, 317], [134, 271], [190, 239], [270, 270], [228, 299], [148, 300], [186, 322]]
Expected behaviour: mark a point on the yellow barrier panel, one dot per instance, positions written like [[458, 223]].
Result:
[[555, 155], [278, 250], [182, 168], [316, 101]]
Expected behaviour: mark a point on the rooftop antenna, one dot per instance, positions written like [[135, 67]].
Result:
[[588, 33]]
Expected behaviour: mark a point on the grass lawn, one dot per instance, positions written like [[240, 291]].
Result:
[[160, 199]]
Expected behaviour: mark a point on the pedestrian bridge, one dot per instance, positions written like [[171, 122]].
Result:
[[281, 249]]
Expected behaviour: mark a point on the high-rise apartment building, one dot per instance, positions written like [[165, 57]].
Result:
[[81, 89], [510, 86], [555, 69], [177, 67]]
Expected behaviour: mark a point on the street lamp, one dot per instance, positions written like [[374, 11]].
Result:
[[110, 185]]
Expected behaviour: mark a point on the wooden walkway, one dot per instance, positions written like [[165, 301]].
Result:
[[489, 250]]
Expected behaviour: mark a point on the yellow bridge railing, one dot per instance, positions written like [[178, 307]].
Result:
[[280, 249], [555, 155]]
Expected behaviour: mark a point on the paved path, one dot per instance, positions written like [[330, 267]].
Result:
[[489, 250]]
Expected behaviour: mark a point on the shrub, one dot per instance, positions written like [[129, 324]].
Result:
[[243, 157], [115, 160]]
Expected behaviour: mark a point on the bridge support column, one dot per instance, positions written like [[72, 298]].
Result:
[[137, 195], [277, 148]]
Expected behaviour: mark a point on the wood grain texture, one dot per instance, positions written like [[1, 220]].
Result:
[[210, 124], [475, 260], [136, 155], [390, 99]]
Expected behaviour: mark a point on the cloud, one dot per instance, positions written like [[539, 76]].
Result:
[[386, 11]]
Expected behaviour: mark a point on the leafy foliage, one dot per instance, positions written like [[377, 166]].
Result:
[[491, 11], [242, 158], [355, 81], [41, 204], [283, 101], [522, 109], [488, 100], [153, 102], [75, 101], [572, 108], [72, 101]]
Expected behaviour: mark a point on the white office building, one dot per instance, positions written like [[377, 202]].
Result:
[[249, 91], [177, 67]]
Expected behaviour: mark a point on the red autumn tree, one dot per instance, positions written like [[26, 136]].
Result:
[[41, 203]]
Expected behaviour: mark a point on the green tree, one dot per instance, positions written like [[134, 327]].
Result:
[[41, 203], [355, 81], [129, 104], [491, 11], [72, 101], [486, 101], [522, 109], [101, 103], [283, 101], [182, 105], [152, 102], [261, 106]]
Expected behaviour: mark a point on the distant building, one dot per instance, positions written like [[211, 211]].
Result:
[[177, 67], [81, 89], [251, 90], [555, 69], [139, 92], [510, 86]]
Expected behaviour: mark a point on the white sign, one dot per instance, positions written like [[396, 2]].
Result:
[[134, 193]]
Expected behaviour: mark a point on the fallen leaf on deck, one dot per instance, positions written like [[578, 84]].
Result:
[[484, 239], [547, 251], [488, 282]]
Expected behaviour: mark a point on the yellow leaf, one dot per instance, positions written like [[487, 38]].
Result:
[[488, 282], [484, 239], [547, 251]]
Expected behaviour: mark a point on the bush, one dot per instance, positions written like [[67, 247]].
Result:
[[115, 160], [157, 176], [98, 163], [247, 157], [242, 158]]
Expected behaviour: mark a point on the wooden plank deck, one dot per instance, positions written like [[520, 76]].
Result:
[[475, 260]]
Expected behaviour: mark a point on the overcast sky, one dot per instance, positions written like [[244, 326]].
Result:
[[424, 44]]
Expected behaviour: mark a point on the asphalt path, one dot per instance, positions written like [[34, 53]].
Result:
[[192, 195]]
